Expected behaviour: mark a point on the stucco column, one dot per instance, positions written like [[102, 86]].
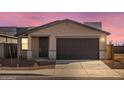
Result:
[[52, 47], [102, 47], [29, 52]]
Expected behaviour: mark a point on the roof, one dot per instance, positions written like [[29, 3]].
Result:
[[11, 30], [3, 34], [58, 22]]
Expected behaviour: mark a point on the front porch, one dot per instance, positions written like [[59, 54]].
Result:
[[41, 47]]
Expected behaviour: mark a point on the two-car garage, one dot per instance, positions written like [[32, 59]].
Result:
[[77, 48]]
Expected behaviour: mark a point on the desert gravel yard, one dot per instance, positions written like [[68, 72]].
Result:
[[114, 64], [23, 64]]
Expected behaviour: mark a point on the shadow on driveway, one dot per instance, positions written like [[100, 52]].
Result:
[[73, 61]]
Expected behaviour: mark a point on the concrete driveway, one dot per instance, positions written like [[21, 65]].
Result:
[[83, 68]]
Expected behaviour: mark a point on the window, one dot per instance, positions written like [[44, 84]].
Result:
[[24, 43]]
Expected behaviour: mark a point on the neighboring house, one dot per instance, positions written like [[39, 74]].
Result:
[[63, 39], [11, 30], [8, 43], [8, 40]]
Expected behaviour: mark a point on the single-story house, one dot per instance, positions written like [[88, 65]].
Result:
[[63, 39]]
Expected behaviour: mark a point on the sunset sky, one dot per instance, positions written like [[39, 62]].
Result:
[[111, 22]]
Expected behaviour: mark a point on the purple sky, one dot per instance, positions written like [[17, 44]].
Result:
[[112, 22]]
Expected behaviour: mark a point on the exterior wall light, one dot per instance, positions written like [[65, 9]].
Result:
[[102, 39]]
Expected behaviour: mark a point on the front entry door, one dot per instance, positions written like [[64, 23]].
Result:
[[43, 46]]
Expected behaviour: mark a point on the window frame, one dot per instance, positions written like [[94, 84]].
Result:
[[24, 43]]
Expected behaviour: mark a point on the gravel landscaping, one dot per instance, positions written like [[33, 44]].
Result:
[[114, 64], [24, 64]]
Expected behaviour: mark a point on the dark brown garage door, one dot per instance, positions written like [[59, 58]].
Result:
[[77, 48]]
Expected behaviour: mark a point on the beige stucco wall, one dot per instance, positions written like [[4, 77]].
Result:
[[7, 40], [65, 30], [2, 39], [35, 47]]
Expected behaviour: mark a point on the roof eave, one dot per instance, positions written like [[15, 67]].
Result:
[[58, 21]]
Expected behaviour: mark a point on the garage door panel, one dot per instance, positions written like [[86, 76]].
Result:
[[77, 48]]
